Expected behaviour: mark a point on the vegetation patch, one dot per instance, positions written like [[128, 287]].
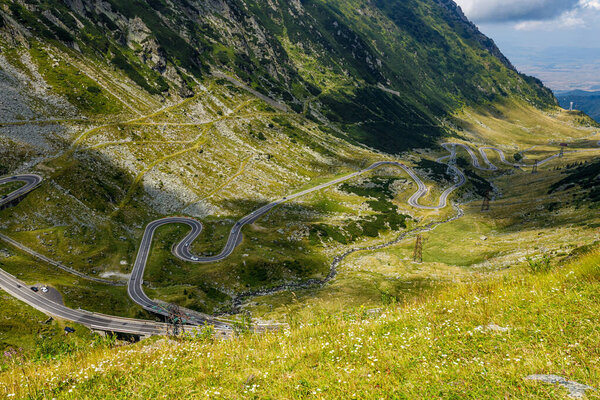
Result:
[[27, 334], [586, 176], [438, 171], [10, 187], [482, 186], [68, 81], [386, 216]]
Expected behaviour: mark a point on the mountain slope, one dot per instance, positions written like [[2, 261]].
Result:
[[136, 110], [588, 102], [329, 57]]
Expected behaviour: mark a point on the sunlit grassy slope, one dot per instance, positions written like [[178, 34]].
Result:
[[439, 346]]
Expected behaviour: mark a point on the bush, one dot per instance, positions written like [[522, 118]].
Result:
[[539, 265], [93, 89]]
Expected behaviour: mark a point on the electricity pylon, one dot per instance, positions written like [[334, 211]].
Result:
[[418, 254], [486, 202]]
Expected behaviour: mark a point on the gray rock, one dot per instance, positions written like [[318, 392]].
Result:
[[576, 390], [491, 327]]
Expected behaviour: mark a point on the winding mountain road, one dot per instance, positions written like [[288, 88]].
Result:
[[451, 147], [23, 292], [182, 250]]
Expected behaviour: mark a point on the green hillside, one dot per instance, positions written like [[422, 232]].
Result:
[[478, 340], [133, 111], [332, 58]]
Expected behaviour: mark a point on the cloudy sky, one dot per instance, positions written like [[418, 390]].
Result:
[[555, 40]]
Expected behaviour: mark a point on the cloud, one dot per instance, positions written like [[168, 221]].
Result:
[[569, 19], [590, 4], [521, 10]]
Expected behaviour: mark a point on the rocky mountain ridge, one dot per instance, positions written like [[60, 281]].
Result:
[[321, 58]]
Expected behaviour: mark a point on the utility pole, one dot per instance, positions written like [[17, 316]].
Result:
[[418, 254], [486, 202], [562, 149]]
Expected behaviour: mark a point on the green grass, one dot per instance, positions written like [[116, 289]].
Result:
[[26, 333], [78, 88], [432, 348], [584, 176], [10, 187]]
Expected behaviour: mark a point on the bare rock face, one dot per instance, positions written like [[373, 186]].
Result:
[[137, 31], [13, 33], [492, 328], [24, 99], [76, 5], [576, 390], [154, 55]]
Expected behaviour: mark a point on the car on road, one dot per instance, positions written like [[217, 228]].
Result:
[[195, 259], [44, 289], [35, 289], [4, 196], [187, 245]]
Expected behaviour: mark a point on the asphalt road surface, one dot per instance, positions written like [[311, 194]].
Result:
[[31, 181], [102, 322], [451, 147]]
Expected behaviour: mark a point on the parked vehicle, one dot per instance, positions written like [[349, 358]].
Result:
[[44, 289], [35, 289]]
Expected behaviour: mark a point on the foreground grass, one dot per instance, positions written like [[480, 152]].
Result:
[[429, 349]]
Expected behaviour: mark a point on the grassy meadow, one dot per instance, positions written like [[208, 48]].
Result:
[[474, 340]]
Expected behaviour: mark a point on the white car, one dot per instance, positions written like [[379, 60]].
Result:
[[44, 289], [194, 258]]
